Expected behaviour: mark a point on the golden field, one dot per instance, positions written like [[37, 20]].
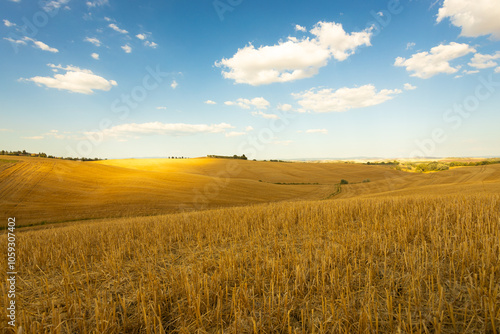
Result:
[[403, 253]]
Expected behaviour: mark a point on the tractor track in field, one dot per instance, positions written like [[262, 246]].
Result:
[[20, 180]]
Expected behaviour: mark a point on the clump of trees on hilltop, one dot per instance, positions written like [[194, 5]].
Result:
[[242, 157]]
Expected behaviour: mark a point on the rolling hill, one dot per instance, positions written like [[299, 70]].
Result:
[[38, 190]]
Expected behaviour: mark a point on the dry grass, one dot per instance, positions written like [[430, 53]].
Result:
[[39, 190], [414, 264]]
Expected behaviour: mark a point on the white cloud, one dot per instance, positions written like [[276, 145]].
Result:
[[108, 19], [41, 45], [127, 48], [497, 70], [95, 56], [141, 36], [36, 44], [285, 107], [427, 64], [17, 41], [33, 137], [75, 80], [93, 40], [408, 86], [470, 72], [323, 131], [293, 59], [8, 23], [249, 128], [210, 102], [475, 17], [151, 44], [174, 84], [481, 61], [116, 28], [300, 28], [235, 134], [343, 99], [380, 14], [158, 128], [55, 134], [257, 102], [161, 108], [49, 6], [410, 45], [96, 3], [264, 115]]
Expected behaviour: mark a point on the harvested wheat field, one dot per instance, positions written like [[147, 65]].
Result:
[[410, 264], [405, 252], [38, 190]]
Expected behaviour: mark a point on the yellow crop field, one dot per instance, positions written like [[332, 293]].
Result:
[[40, 190], [267, 252]]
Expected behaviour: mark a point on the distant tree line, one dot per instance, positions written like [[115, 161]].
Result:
[[23, 153], [177, 158], [391, 163], [242, 157], [435, 166]]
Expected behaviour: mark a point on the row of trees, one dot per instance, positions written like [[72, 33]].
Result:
[[43, 155], [242, 157]]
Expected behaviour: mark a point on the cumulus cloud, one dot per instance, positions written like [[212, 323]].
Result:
[[51, 5], [95, 56], [151, 44], [210, 102], [300, 28], [427, 64], [249, 128], [285, 107], [408, 86], [159, 128], [481, 61], [323, 131], [141, 36], [294, 58], [257, 102], [343, 99], [116, 28], [174, 84], [8, 23], [497, 70], [93, 40], [75, 80], [264, 115], [474, 17], [127, 48]]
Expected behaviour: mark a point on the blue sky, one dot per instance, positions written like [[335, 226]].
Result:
[[269, 79]]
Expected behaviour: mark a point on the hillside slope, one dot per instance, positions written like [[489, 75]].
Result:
[[36, 190]]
